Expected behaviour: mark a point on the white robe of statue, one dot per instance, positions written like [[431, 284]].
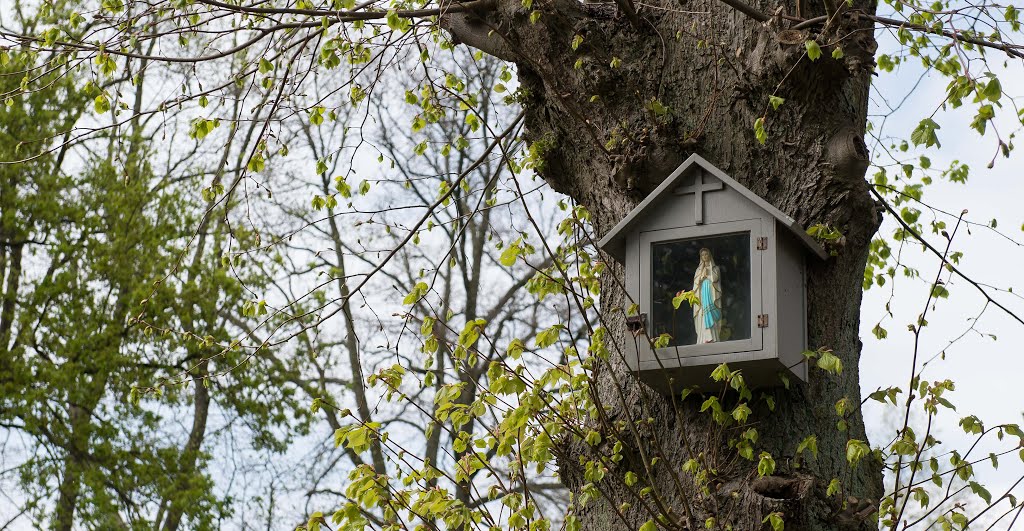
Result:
[[707, 315]]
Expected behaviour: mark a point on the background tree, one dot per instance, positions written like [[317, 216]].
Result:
[[332, 241], [90, 234]]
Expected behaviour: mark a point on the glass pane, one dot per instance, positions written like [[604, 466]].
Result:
[[717, 270]]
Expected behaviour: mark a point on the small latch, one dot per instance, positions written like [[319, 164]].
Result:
[[762, 320], [636, 323], [762, 243]]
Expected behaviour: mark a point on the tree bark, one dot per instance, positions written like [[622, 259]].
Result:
[[70, 486], [591, 113]]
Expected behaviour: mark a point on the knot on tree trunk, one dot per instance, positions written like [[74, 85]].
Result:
[[783, 488], [848, 153], [856, 512], [476, 29]]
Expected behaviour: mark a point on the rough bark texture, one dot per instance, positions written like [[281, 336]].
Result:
[[713, 68]]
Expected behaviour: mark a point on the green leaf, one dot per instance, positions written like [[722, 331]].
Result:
[[842, 405], [316, 115], [515, 348], [775, 102], [985, 113], [101, 104], [882, 395], [982, 492], [972, 425], [342, 186], [690, 297], [885, 63], [662, 341], [649, 526], [765, 464], [471, 332], [856, 450], [548, 336], [759, 132], [397, 23], [658, 108], [879, 332], [993, 90], [833, 487], [921, 496], [830, 363], [925, 133], [810, 443], [510, 254], [775, 520], [904, 446], [741, 412], [813, 50], [417, 293], [315, 520]]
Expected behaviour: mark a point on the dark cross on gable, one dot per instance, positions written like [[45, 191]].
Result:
[[698, 188]]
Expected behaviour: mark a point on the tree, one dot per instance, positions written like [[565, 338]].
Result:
[[613, 98], [339, 234], [714, 82], [90, 234]]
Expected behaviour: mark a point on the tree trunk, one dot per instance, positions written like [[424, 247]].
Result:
[[594, 115], [70, 485], [190, 454]]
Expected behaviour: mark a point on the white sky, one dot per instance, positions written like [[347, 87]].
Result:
[[987, 372]]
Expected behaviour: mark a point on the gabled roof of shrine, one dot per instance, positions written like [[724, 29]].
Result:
[[615, 241]]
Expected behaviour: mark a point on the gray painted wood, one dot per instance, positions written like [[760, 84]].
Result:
[[699, 201], [614, 242], [791, 287]]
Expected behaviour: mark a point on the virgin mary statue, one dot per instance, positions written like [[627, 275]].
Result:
[[707, 316]]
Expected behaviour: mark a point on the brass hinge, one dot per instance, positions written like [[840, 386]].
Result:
[[762, 320], [762, 243]]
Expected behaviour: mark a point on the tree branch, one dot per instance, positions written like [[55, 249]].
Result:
[[470, 29], [938, 253], [738, 5]]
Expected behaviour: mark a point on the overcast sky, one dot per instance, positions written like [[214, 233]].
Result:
[[987, 372]]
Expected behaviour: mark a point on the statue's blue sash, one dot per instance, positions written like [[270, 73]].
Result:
[[707, 303]]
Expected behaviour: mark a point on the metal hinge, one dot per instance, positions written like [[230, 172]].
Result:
[[762, 320], [636, 323], [762, 243]]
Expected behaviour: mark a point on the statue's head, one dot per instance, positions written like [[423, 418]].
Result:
[[705, 256]]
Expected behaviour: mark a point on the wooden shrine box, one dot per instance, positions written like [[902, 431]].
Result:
[[752, 278]]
